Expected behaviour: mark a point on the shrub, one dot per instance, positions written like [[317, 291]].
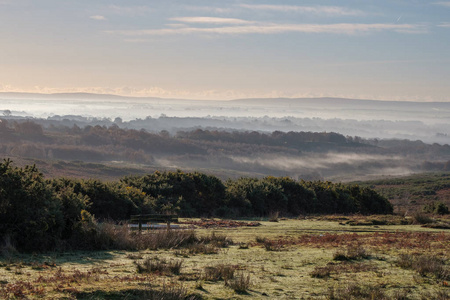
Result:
[[29, 211], [438, 208], [351, 253], [272, 245], [321, 272], [172, 292], [219, 272], [260, 239], [356, 291], [420, 218], [220, 241], [438, 295], [240, 283], [161, 266], [201, 248], [425, 265]]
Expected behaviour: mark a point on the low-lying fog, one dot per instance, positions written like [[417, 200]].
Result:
[[428, 122], [375, 145]]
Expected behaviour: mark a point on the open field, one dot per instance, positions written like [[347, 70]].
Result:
[[317, 258]]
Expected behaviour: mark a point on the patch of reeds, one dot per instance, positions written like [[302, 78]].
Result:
[[421, 218], [111, 236], [356, 291], [201, 248], [160, 266], [219, 272], [425, 265], [351, 253], [240, 283], [221, 241]]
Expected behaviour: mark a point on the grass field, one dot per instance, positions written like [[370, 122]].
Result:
[[316, 258]]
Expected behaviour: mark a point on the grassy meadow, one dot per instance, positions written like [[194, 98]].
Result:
[[335, 257]]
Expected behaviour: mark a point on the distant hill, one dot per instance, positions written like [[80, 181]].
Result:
[[71, 96], [342, 102], [327, 101]]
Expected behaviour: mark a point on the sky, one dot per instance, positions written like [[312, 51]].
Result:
[[228, 49]]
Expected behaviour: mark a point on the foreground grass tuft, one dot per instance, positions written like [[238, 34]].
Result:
[[161, 266], [239, 283], [219, 272], [351, 253], [425, 265]]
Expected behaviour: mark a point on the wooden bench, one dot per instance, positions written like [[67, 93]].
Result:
[[153, 218]]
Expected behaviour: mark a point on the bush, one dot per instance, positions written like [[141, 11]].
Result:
[[161, 266], [240, 283], [351, 253], [201, 248], [437, 208], [221, 241], [29, 211], [420, 218], [321, 272], [425, 265], [219, 272], [356, 291]]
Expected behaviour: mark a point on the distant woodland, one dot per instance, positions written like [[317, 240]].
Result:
[[301, 155]]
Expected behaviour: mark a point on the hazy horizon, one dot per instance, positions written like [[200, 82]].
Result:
[[383, 50]]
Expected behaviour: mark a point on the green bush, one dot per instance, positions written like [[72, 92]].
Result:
[[30, 213], [437, 208]]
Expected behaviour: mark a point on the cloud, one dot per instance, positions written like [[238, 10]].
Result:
[[98, 18], [262, 28], [320, 10], [446, 25], [443, 3], [211, 20]]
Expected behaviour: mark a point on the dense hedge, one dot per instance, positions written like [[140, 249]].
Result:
[[38, 214]]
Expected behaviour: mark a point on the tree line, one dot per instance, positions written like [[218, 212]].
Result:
[[40, 214]]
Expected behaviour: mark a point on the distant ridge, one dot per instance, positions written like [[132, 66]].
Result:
[[329, 101], [17, 95]]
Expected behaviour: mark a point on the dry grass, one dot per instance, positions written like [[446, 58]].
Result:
[[296, 272], [339, 268], [219, 272], [425, 265], [357, 291], [160, 266], [351, 253], [239, 283]]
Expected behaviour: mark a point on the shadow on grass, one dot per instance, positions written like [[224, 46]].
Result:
[[131, 294], [137, 294], [58, 258]]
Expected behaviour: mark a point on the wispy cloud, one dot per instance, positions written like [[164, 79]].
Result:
[[211, 20], [322, 10], [98, 18], [341, 28], [446, 25], [443, 3]]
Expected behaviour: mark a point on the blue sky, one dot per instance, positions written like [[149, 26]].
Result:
[[226, 49]]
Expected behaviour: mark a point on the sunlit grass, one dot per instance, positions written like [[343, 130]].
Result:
[[305, 266]]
